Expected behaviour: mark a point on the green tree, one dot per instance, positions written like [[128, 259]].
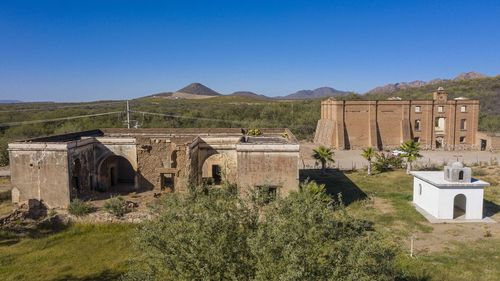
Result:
[[369, 153], [323, 155], [199, 236], [4, 153], [213, 234], [411, 152], [308, 237]]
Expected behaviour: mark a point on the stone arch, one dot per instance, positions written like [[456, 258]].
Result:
[[115, 173], [215, 168], [459, 205]]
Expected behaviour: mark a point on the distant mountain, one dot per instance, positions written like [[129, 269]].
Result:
[[10, 101], [486, 90], [470, 75], [392, 88], [198, 89], [248, 94], [322, 92]]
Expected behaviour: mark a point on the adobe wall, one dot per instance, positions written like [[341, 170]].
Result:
[[268, 165], [40, 171]]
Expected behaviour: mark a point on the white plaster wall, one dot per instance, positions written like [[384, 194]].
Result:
[[474, 202], [429, 200]]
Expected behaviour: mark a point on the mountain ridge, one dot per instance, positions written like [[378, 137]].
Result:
[[394, 87]]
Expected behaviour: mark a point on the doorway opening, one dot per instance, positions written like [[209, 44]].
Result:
[[459, 206], [439, 142], [116, 174], [483, 145], [167, 182], [216, 174]]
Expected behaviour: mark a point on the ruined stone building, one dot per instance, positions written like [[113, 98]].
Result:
[[60, 168], [439, 123]]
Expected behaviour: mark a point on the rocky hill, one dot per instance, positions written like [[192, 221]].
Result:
[[248, 94], [198, 89], [322, 92], [392, 88]]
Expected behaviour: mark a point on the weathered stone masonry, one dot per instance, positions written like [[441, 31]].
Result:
[[59, 168]]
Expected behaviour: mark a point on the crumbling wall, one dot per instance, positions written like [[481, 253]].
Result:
[[324, 135], [157, 155], [81, 168], [40, 172], [268, 165]]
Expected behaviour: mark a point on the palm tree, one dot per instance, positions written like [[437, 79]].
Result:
[[411, 152], [324, 155], [368, 153]]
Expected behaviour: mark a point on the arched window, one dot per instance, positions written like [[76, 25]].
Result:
[[417, 125], [460, 175]]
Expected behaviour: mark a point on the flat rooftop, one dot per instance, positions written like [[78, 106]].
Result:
[[436, 178], [269, 135]]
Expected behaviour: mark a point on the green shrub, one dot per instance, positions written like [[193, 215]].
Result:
[[213, 234], [80, 208], [4, 153], [116, 206], [387, 162]]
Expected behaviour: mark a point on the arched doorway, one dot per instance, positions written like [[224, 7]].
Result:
[[215, 169], [459, 206], [116, 174]]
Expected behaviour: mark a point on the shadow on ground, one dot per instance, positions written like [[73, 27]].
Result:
[[13, 232], [102, 276], [335, 182], [490, 208]]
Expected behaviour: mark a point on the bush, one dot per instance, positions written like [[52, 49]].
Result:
[[116, 206], [4, 153], [213, 234], [80, 208], [387, 162]]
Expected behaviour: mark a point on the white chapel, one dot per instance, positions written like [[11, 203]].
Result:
[[451, 194]]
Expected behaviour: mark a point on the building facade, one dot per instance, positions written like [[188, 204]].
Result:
[[60, 168], [440, 123]]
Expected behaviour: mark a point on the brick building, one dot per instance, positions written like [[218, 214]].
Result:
[[440, 123]]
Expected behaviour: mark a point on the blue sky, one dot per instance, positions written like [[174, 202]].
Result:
[[89, 50]]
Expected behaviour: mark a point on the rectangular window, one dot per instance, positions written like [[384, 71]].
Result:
[[440, 108], [462, 139], [463, 108], [463, 124], [266, 193], [416, 139], [418, 108]]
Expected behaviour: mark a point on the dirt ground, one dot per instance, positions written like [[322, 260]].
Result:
[[442, 236], [352, 160]]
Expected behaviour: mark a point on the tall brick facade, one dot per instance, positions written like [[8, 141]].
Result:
[[439, 123]]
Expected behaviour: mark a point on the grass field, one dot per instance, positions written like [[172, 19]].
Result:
[[80, 252], [444, 252]]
